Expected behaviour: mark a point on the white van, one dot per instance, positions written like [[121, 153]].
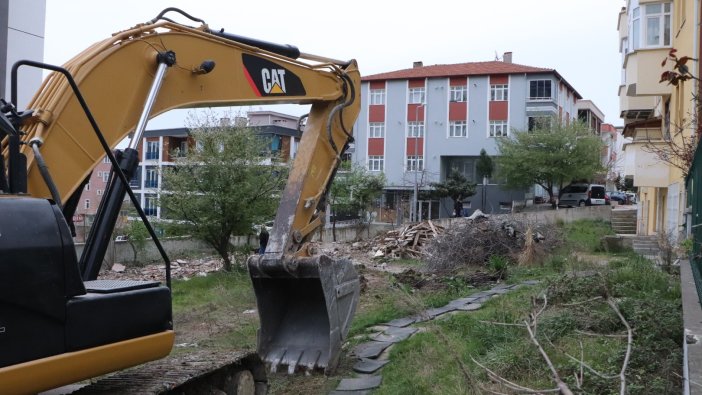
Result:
[[578, 195]]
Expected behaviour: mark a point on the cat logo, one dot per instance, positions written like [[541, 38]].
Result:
[[267, 78], [273, 81]]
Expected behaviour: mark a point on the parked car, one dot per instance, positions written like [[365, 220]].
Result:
[[632, 197], [618, 196], [578, 195]]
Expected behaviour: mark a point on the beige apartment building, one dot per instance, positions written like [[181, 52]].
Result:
[[657, 114]]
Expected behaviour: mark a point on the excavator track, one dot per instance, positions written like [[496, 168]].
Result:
[[200, 372]]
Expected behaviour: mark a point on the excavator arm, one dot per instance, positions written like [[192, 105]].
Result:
[[305, 300]]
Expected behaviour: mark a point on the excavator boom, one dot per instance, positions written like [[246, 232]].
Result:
[[305, 300]]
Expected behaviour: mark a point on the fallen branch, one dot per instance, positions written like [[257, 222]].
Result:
[[630, 342], [581, 302], [500, 323], [509, 384], [562, 386], [600, 334]]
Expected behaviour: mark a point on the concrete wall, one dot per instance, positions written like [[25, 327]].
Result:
[[122, 251], [550, 216]]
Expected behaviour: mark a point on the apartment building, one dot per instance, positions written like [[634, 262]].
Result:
[[161, 148], [21, 37], [418, 124], [657, 114]]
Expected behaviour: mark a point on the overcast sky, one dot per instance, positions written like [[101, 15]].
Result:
[[578, 38]]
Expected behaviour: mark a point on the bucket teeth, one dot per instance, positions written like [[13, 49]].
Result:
[[305, 314]]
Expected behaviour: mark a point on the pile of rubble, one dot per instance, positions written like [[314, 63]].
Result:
[[181, 269], [406, 242]]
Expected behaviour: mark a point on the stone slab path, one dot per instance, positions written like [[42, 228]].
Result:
[[374, 354]]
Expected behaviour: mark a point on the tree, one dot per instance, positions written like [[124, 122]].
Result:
[[551, 155], [457, 187], [354, 191], [484, 167], [222, 186]]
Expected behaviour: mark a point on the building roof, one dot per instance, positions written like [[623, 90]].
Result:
[[277, 130], [172, 132], [465, 69]]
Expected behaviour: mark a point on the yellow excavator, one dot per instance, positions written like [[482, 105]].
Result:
[[60, 323]]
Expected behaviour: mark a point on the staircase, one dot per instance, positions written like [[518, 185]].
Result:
[[624, 221], [646, 246]]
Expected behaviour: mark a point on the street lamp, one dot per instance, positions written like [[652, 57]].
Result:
[[415, 199]]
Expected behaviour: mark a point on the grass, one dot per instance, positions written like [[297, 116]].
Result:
[[584, 235], [215, 310], [440, 360]]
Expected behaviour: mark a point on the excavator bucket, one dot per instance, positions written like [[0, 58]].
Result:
[[305, 306]]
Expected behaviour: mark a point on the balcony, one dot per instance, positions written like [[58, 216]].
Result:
[[643, 71], [636, 108]]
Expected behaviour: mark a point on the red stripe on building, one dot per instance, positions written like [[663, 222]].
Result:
[[413, 142], [458, 81], [499, 79], [498, 111], [413, 113], [458, 111], [376, 113], [416, 83], [376, 146], [377, 85]]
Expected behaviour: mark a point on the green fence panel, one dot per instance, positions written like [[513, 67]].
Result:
[[694, 198]]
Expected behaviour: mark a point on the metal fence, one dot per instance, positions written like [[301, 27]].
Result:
[[694, 199]]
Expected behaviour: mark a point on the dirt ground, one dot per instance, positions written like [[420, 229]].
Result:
[[211, 327]]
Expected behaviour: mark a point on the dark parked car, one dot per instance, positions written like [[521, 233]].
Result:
[[618, 196]]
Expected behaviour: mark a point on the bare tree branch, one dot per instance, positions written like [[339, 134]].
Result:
[[600, 334], [562, 386], [630, 341], [581, 302], [501, 323], [509, 384]]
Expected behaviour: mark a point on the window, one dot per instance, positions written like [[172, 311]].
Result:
[[106, 159], [151, 150], [458, 93], [415, 129], [150, 205], [463, 165], [98, 192], [540, 123], [375, 163], [458, 129], [182, 149], [87, 204], [498, 92], [540, 90], [151, 179], [498, 128], [653, 28], [416, 96], [636, 27], [135, 182], [87, 186], [105, 175], [415, 163], [376, 129], [377, 96], [657, 24]]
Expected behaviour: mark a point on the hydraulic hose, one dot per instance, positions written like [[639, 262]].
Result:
[[35, 143]]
